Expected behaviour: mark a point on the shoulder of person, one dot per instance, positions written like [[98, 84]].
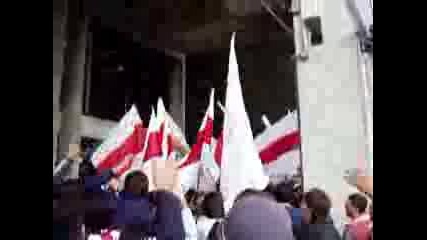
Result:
[[217, 231]]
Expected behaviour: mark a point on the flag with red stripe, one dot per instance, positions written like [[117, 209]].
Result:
[[279, 149], [190, 166], [171, 137], [122, 147], [152, 151]]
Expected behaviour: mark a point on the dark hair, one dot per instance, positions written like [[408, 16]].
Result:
[[139, 176], [86, 168], [213, 206], [320, 204], [358, 201], [271, 188], [190, 195], [284, 193]]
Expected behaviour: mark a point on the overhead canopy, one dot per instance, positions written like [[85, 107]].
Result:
[[190, 25]]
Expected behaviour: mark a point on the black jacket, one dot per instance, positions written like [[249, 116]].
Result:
[[325, 231]]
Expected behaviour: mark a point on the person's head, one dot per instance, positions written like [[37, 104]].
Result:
[[213, 205], [298, 194], [86, 168], [271, 188], [316, 206], [190, 196], [136, 182], [255, 217], [285, 193], [356, 205], [252, 192]]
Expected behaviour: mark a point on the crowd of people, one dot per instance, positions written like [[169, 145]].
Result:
[[95, 203]]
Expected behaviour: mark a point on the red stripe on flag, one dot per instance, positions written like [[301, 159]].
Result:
[[218, 149], [131, 146], [279, 147], [194, 155], [205, 134], [161, 132], [170, 144], [154, 148]]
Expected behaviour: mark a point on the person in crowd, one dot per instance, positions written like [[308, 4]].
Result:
[[256, 216], [134, 213], [212, 212], [169, 219], [360, 226], [168, 194], [298, 194], [100, 196], [190, 198], [285, 194], [217, 230], [317, 224], [67, 197], [67, 210], [253, 192]]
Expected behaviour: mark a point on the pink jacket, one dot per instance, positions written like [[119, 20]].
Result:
[[359, 228]]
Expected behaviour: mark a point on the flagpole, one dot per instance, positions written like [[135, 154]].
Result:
[[265, 121], [220, 106], [198, 178], [60, 166]]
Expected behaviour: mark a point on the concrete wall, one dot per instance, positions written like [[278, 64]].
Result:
[[59, 24], [96, 128], [331, 103]]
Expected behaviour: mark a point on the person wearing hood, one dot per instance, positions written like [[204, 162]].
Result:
[[256, 217]]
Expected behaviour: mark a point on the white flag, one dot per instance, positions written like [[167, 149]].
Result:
[[241, 166]]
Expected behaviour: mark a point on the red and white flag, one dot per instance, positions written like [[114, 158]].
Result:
[[165, 132], [173, 139], [210, 171], [218, 149], [278, 147], [241, 166], [152, 151], [189, 168], [124, 145]]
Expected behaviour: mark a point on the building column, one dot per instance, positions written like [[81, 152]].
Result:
[[73, 80], [59, 24], [177, 93], [330, 100]]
